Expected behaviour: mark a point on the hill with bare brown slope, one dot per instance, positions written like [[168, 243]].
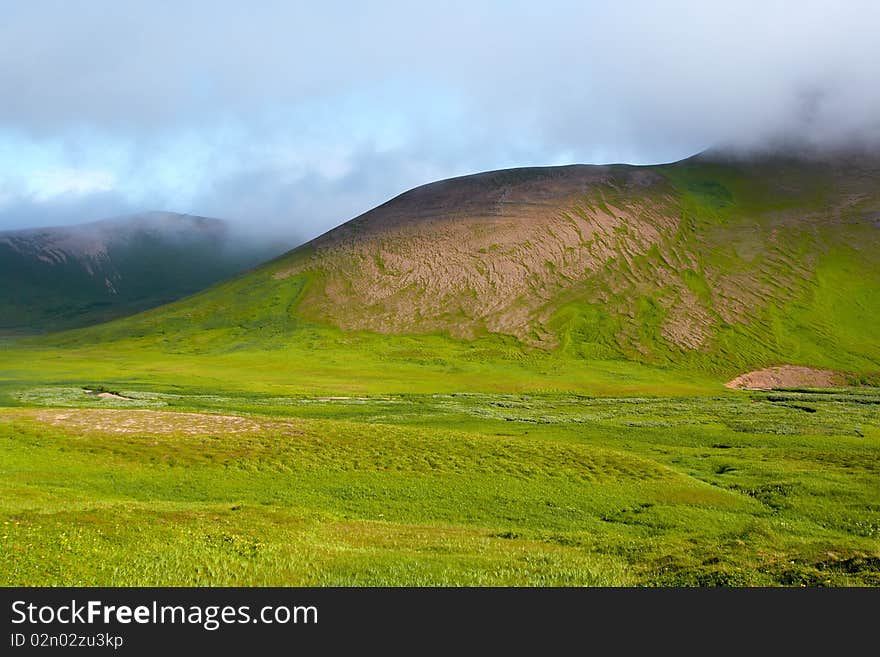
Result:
[[684, 249], [486, 252], [711, 262]]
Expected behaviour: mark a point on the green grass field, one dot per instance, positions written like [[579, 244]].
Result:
[[190, 488]]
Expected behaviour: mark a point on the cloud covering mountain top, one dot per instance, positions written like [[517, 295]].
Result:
[[293, 117]]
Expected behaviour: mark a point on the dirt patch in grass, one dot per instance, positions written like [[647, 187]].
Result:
[[111, 395], [156, 422], [105, 394], [787, 376]]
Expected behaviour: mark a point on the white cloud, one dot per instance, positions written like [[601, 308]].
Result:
[[47, 185], [297, 115]]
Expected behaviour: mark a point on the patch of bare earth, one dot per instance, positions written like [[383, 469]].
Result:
[[92, 420], [787, 376], [486, 252], [106, 395]]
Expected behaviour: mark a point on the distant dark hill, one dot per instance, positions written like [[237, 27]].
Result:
[[70, 276]]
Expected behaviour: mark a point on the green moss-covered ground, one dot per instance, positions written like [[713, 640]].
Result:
[[450, 489]]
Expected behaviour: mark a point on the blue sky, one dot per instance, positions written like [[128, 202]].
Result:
[[289, 118]]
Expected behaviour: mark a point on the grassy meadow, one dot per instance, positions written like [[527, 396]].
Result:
[[198, 488]]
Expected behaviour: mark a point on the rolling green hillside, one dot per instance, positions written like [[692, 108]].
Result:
[[64, 277], [514, 378], [711, 266]]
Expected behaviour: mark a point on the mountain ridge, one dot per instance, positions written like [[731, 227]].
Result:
[[724, 265], [65, 276]]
